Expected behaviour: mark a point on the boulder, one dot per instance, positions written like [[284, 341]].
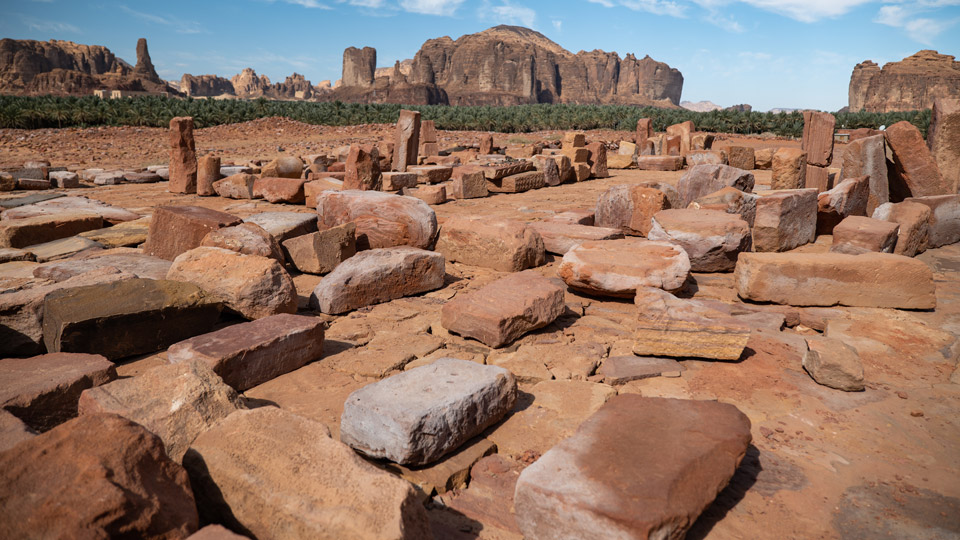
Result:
[[251, 285], [285, 225], [97, 476], [671, 326], [833, 363], [279, 190], [504, 310], [273, 474], [503, 245], [629, 208], [913, 219], [283, 167], [20, 233], [817, 140], [175, 402], [43, 391], [383, 220], [418, 416], [237, 186], [183, 155], [558, 237], [849, 198], [730, 200], [362, 168], [618, 267], [789, 169], [712, 239], [637, 468], [867, 157], [858, 234], [944, 221], [321, 252], [125, 318], [785, 220], [208, 172], [705, 179], [245, 238], [826, 279], [251, 353], [378, 275], [914, 172], [13, 431], [215, 532], [176, 229]]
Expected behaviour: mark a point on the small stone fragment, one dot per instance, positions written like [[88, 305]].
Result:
[[833, 363]]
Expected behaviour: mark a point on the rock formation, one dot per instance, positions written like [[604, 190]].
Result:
[[66, 68], [510, 65], [911, 84], [205, 85], [359, 66]]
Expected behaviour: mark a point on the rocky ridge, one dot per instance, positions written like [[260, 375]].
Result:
[[914, 83]]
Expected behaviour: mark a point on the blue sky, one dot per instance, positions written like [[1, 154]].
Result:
[[768, 53]]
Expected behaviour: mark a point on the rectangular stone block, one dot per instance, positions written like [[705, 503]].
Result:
[[43, 391], [659, 163], [248, 354], [395, 181], [418, 416], [574, 139], [431, 174], [914, 172], [785, 220], [943, 138], [20, 233], [817, 139], [741, 157], [406, 140], [176, 229], [321, 252], [125, 318], [558, 238], [944, 224], [880, 280], [500, 312], [577, 154], [818, 178], [518, 183]]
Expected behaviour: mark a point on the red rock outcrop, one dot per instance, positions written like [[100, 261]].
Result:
[[510, 65], [911, 84], [205, 85], [66, 68]]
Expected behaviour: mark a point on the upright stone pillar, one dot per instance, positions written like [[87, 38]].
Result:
[[407, 140], [183, 156]]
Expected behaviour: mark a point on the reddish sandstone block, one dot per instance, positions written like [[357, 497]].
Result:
[[176, 229]]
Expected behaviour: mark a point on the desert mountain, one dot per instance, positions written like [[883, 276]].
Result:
[[911, 84], [508, 65]]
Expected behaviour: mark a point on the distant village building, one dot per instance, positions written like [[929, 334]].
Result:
[[117, 94]]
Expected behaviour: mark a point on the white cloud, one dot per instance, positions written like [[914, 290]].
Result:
[[179, 26], [759, 56], [510, 13], [926, 30], [557, 25], [431, 7], [656, 7], [48, 26], [604, 3], [920, 29], [891, 15], [307, 4], [375, 4]]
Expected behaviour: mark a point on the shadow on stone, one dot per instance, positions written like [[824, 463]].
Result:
[[743, 479]]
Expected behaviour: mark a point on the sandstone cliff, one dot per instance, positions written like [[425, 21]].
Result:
[[66, 68], [510, 65], [911, 84], [205, 85]]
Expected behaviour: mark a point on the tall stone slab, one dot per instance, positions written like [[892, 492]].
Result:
[[407, 140], [867, 157], [818, 137], [208, 172], [943, 138], [914, 172], [183, 155]]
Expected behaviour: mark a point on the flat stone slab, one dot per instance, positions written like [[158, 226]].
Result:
[[826, 279], [504, 245], [452, 470], [20, 233], [72, 205], [382, 219], [143, 266], [43, 391], [125, 318], [559, 238], [175, 402], [33, 198], [618, 370], [285, 225], [638, 468], [252, 353], [500, 312], [62, 248], [671, 326], [278, 475], [126, 234], [418, 416], [618, 267], [378, 275]]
